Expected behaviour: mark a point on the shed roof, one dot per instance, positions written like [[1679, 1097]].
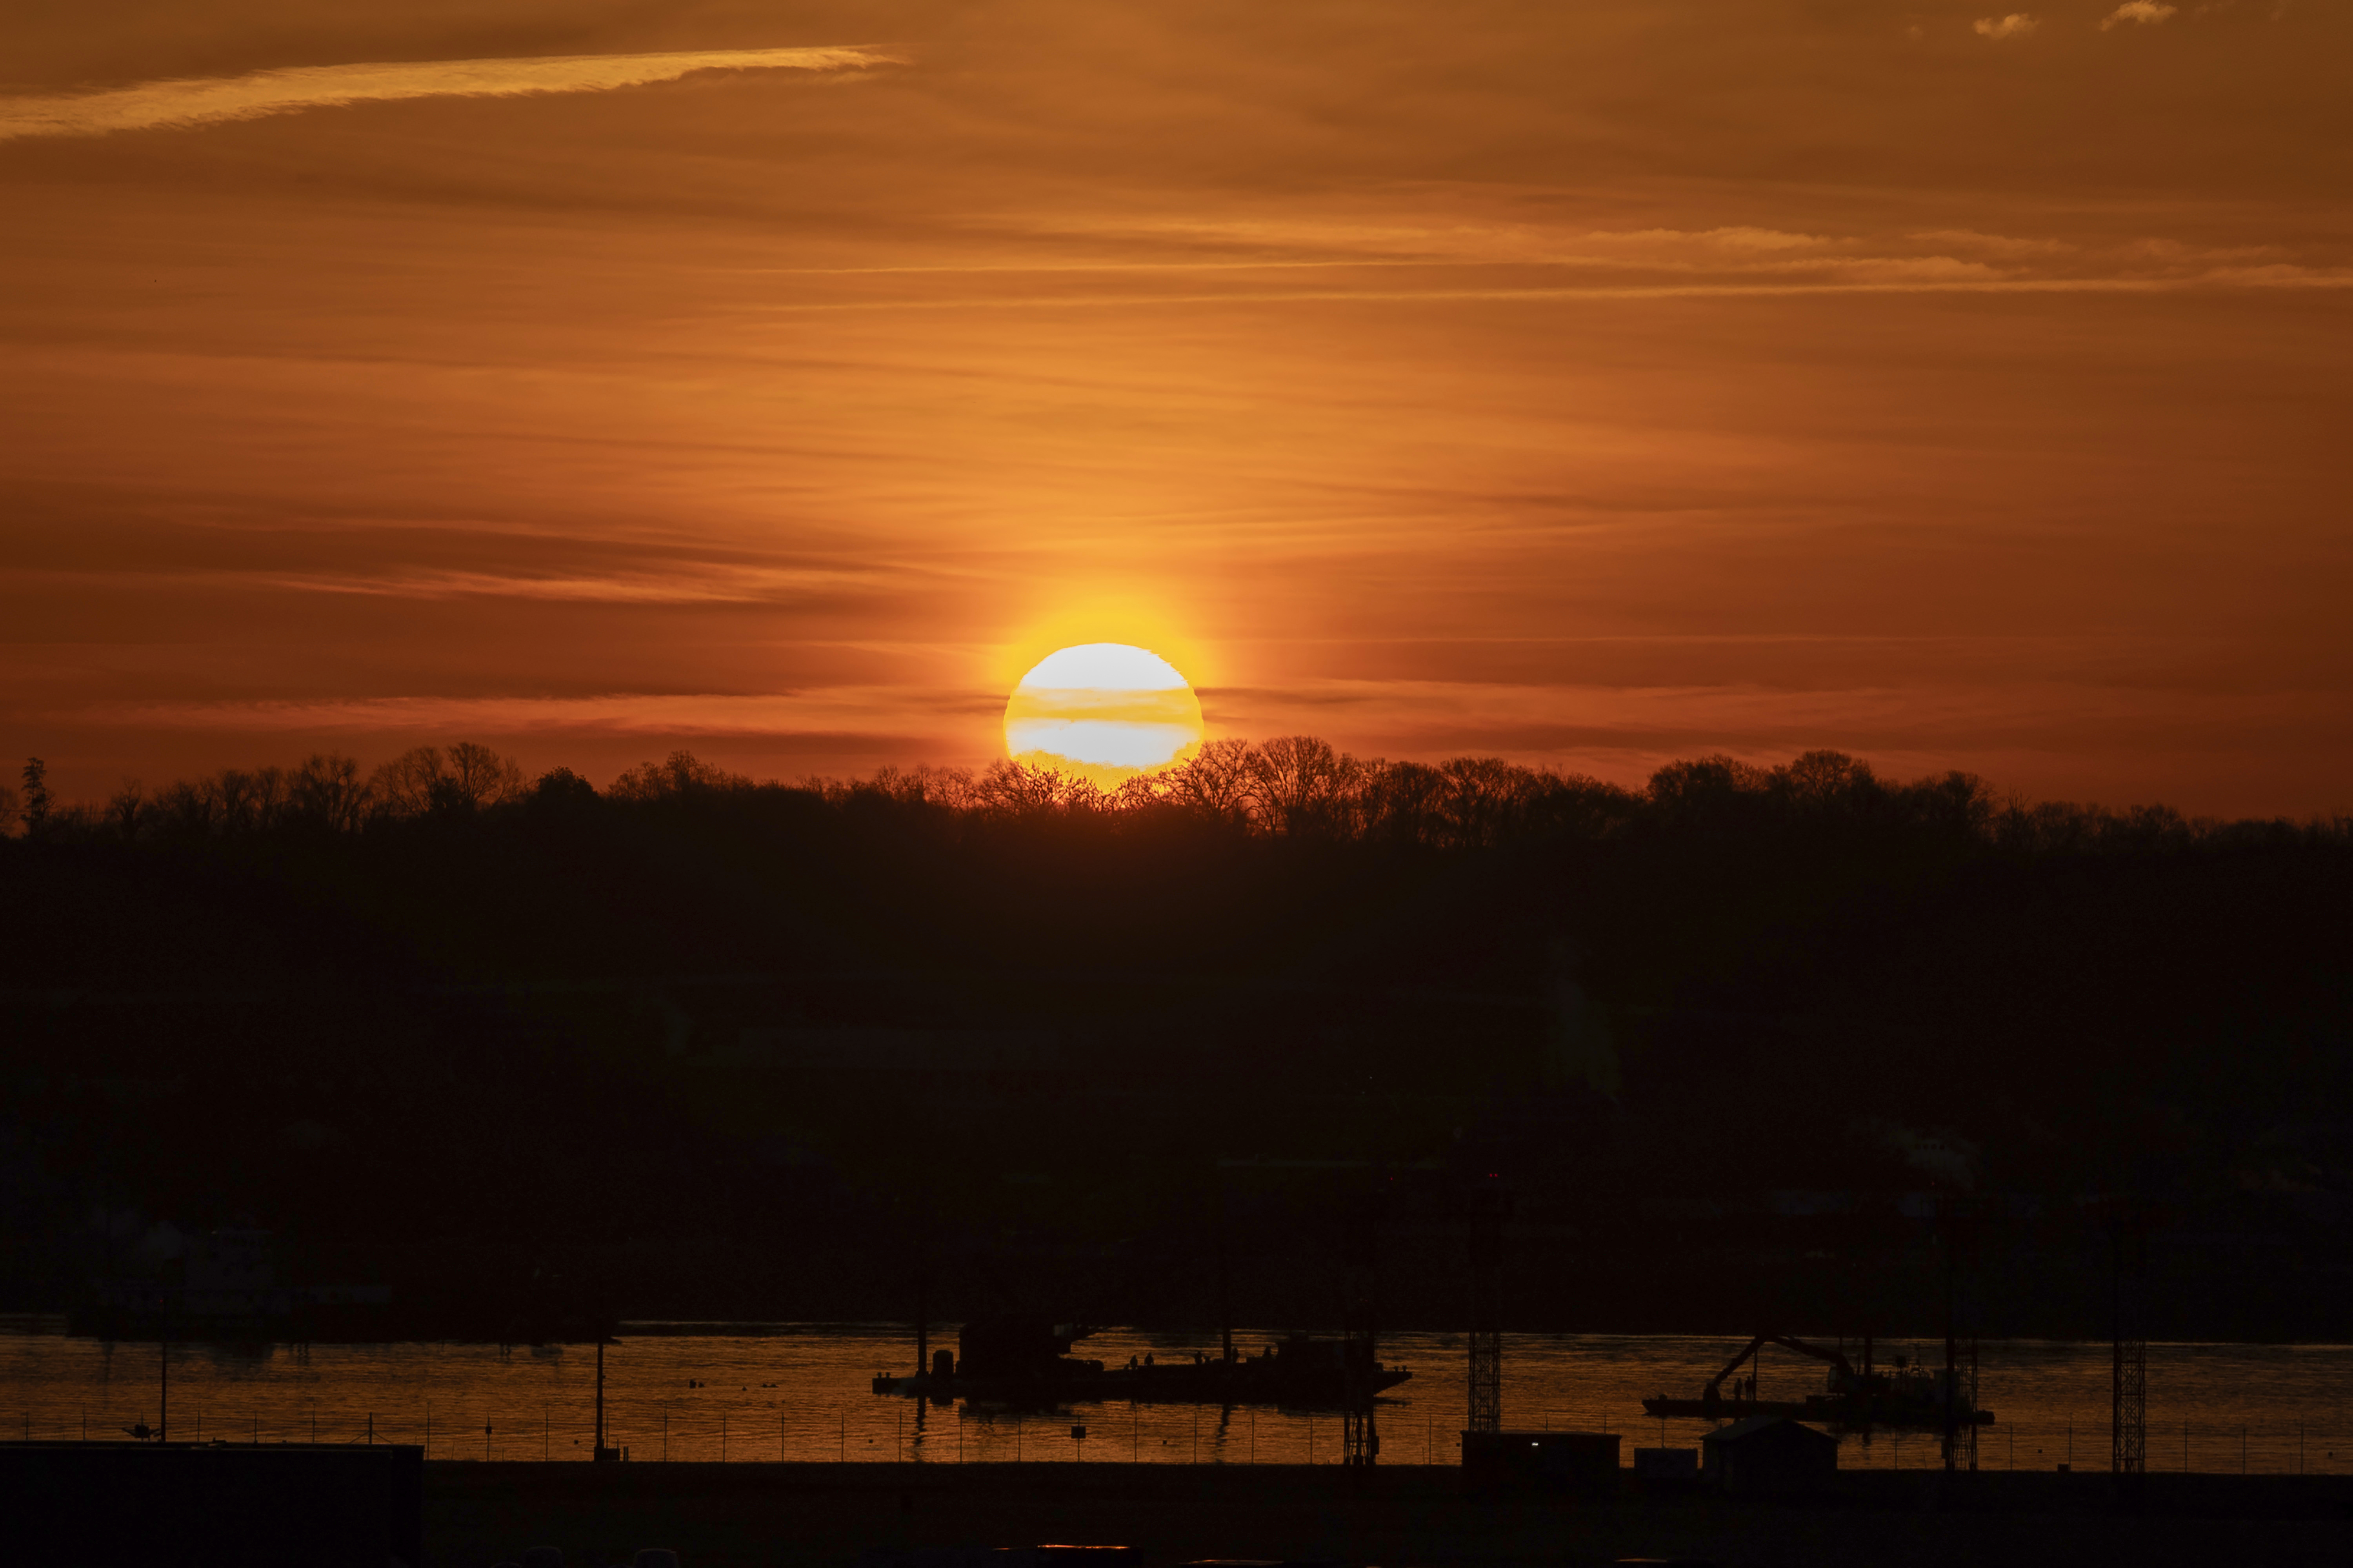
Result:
[[1751, 1425]]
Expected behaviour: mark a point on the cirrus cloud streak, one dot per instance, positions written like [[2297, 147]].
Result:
[[208, 100]]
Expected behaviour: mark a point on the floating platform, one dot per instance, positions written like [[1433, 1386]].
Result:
[[1018, 1364]]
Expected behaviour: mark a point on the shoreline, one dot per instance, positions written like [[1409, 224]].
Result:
[[786, 1516], [56, 1325]]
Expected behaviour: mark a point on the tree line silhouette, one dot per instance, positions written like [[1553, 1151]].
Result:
[[1290, 786], [326, 790], [1732, 977]]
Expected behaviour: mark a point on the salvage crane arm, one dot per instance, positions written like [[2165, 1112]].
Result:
[[1837, 1358]]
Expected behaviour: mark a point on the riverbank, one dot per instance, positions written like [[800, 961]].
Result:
[[828, 1516]]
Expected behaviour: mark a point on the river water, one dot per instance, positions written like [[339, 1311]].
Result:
[[801, 1392]]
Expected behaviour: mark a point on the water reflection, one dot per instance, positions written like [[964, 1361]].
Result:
[[801, 1393]]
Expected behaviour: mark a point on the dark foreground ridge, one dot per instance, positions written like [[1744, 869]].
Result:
[[443, 1054], [832, 1516]]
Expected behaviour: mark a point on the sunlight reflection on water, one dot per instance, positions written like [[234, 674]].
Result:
[[801, 1393]]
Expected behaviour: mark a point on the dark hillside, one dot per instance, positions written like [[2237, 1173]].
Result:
[[691, 1034]]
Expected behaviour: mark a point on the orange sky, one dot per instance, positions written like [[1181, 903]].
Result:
[[1588, 383]]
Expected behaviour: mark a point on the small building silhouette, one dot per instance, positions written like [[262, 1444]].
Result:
[[1768, 1456], [1540, 1462], [1667, 1467], [126, 1505]]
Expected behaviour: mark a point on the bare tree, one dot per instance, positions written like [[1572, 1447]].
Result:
[[127, 810], [237, 789], [190, 808], [1577, 806], [682, 774], [1139, 792], [1704, 787], [1962, 804], [1021, 789], [1487, 799], [478, 776], [1825, 778], [263, 796], [1215, 781], [327, 790], [36, 796], [948, 787], [1401, 803], [406, 785], [1300, 783], [466, 777]]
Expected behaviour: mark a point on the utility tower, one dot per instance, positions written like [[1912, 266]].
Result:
[[2127, 1310], [604, 1453], [1956, 1229], [1360, 1248], [1487, 1208]]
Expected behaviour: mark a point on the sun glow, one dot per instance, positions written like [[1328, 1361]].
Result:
[[1105, 711]]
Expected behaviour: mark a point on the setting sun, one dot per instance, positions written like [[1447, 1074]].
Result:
[[1105, 710]]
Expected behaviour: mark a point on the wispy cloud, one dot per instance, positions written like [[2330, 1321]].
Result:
[[818, 709], [675, 583], [207, 101], [682, 586], [1506, 262], [2002, 245], [2017, 24], [1934, 278], [2147, 12]]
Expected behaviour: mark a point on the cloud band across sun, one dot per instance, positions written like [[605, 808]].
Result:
[[1103, 711], [206, 100]]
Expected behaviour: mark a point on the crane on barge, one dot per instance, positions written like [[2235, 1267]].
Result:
[[1913, 1397]]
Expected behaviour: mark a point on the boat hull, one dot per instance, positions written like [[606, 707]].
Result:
[[1854, 1415], [1177, 1382]]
